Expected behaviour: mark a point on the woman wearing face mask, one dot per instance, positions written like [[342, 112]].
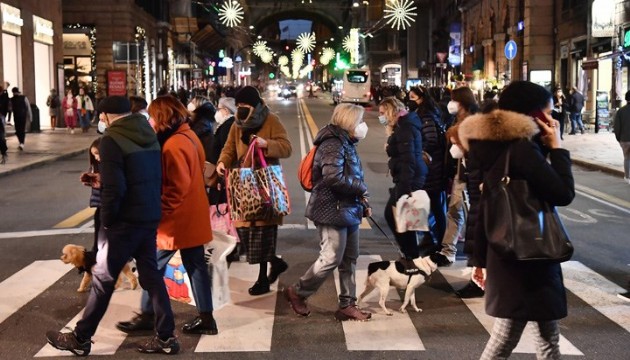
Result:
[[434, 144], [406, 166], [254, 122], [462, 105], [337, 205]]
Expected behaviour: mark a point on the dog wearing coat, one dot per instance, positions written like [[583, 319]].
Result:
[[84, 260], [383, 274]]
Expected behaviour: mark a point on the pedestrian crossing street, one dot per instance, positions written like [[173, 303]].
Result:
[[246, 324]]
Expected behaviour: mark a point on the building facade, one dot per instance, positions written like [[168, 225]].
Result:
[[32, 48]]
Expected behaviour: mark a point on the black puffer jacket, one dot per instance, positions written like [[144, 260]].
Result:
[[434, 143], [338, 185], [531, 291], [404, 148], [202, 125], [220, 138]]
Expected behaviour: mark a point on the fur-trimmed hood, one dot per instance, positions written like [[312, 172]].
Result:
[[498, 125]]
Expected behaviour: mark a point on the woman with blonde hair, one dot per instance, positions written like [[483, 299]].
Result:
[[406, 166], [185, 223], [337, 205]]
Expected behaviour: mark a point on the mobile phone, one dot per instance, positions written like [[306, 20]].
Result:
[[541, 116]]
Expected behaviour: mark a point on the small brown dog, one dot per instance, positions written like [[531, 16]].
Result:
[[82, 260]]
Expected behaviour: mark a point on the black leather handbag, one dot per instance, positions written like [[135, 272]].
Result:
[[518, 225]]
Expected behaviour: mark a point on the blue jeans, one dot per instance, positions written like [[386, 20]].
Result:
[[197, 269], [115, 246], [339, 248], [84, 120], [576, 120]]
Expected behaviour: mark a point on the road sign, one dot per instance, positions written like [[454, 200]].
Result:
[[510, 50]]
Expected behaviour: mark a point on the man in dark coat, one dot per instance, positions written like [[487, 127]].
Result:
[[131, 178], [576, 104], [21, 109]]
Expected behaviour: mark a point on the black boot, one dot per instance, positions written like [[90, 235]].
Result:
[[202, 324], [259, 288], [471, 290], [139, 323], [278, 266]]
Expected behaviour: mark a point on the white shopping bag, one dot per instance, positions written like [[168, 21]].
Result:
[[411, 213], [217, 251]]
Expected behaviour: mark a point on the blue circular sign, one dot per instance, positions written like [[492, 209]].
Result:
[[510, 50]]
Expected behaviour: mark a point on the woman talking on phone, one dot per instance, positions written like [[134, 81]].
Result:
[[519, 292]]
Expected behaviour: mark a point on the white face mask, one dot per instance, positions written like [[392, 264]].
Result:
[[360, 132], [219, 117], [456, 152], [102, 126], [382, 119], [452, 107], [191, 107]]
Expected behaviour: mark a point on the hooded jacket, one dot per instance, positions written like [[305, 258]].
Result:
[[516, 290], [433, 142], [131, 173], [404, 148], [338, 184], [202, 125]]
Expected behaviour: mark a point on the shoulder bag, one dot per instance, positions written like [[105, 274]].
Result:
[[519, 225]]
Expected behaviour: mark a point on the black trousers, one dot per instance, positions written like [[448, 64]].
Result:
[[20, 128], [3, 140]]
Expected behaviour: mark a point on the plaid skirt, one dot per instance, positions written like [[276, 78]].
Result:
[[259, 241]]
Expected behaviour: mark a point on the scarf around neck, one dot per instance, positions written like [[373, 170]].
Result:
[[256, 120]]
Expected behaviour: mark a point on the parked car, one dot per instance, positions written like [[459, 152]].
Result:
[[289, 91]]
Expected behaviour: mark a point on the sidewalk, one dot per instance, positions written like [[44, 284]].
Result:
[[595, 151]]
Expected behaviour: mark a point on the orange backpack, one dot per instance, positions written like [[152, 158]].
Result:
[[305, 170]]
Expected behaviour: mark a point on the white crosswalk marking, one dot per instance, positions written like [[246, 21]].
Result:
[[247, 323], [28, 283], [107, 338], [458, 275], [597, 292], [376, 334]]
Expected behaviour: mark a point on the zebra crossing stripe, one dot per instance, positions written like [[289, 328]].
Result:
[[28, 283], [370, 335], [245, 324], [458, 275], [597, 291], [107, 338]]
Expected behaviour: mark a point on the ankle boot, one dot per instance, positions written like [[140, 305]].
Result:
[[202, 324], [278, 266], [259, 288]]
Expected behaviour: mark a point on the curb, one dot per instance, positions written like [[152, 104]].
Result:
[[42, 162], [593, 166]]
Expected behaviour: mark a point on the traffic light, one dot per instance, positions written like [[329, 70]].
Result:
[[272, 76]]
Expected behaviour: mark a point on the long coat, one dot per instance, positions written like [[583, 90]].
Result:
[[278, 147], [185, 219], [516, 290]]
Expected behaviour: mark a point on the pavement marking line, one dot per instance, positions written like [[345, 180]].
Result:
[[596, 291], [377, 334], [313, 131], [600, 197], [76, 219], [245, 324], [28, 283], [458, 275], [107, 338]]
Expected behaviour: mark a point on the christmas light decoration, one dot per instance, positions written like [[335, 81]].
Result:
[[91, 31], [283, 60], [306, 42], [400, 13], [231, 13], [266, 57], [259, 48], [327, 55]]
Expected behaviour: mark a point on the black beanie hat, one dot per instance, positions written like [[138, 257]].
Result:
[[248, 95], [115, 105]]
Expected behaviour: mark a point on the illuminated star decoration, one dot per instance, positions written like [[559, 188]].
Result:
[[306, 42], [327, 55], [283, 60], [400, 13], [231, 13], [266, 57], [259, 48]]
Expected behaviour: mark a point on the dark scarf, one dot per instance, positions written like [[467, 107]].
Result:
[[253, 124], [164, 135]]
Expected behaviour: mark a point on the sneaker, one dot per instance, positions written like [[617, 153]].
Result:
[[440, 259], [72, 131], [21, 147], [154, 345], [277, 267], [582, 131], [298, 303], [624, 296], [202, 324], [353, 313], [471, 290], [69, 342], [140, 322]]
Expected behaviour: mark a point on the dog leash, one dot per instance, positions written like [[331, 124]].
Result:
[[387, 237]]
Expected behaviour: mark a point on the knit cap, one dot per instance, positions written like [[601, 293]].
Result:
[[248, 95]]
